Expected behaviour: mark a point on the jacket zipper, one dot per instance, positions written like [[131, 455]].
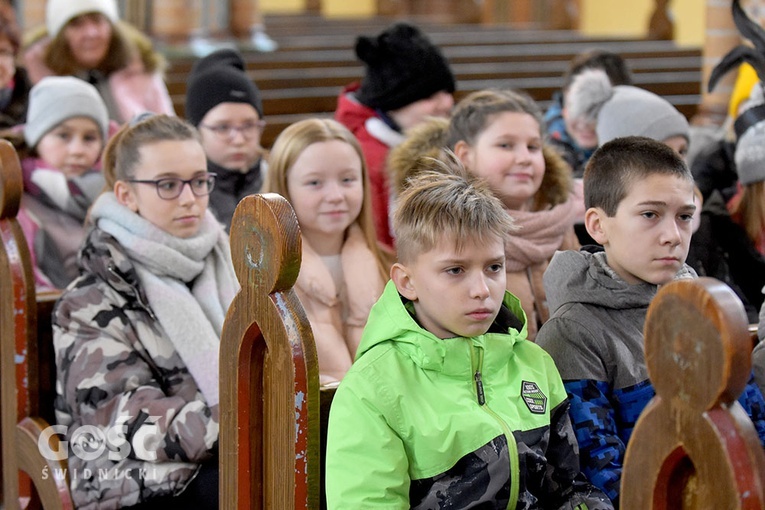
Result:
[[512, 446]]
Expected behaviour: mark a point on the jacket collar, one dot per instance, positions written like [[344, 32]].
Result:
[[392, 320]]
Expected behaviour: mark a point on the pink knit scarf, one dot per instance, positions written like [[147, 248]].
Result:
[[539, 234]]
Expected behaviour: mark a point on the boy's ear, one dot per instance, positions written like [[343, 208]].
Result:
[[403, 281], [463, 152], [125, 195], [594, 223]]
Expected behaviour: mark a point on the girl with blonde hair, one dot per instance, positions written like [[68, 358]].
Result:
[[318, 166]]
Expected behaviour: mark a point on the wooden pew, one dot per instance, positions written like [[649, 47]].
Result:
[[324, 99], [694, 446], [270, 403], [27, 368], [528, 52], [291, 77]]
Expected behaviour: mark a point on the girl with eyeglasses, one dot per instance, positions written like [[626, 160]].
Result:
[[224, 104], [318, 166], [136, 336], [59, 148]]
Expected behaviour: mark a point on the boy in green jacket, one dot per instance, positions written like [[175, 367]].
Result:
[[447, 404]]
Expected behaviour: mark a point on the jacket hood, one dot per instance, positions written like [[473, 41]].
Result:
[[425, 140], [350, 112], [583, 277], [391, 321], [102, 256], [557, 182], [715, 205]]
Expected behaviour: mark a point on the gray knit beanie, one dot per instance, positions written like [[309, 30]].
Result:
[[55, 99], [750, 139], [623, 110]]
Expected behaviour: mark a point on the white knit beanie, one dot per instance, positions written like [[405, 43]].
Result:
[[59, 12], [623, 110], [55, 99]]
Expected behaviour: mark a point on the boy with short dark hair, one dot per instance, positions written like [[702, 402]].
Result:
[[640, 202], [447, 404]]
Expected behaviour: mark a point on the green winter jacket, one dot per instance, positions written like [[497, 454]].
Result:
[[420, 422]]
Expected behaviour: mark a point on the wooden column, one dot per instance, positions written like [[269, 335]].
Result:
[[30, 13], [175, 20], [660, 25], [721, 35], [243, 15]]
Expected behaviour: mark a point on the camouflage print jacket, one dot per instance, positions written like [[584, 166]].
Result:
[[136, 423]]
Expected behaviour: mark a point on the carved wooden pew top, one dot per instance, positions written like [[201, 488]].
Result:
[[269, 430], [24, 374], [694, 445]]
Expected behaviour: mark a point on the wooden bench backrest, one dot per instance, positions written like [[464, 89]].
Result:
[[269, 390], [694, 445], [26, 361]]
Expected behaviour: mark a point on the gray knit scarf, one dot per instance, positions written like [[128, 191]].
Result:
[[189, 283]]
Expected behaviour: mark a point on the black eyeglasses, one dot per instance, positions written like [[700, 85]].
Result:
[[171, 188], [227, 132]]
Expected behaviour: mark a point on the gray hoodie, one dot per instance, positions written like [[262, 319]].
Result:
[[595, 330]]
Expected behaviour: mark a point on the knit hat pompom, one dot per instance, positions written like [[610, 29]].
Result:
[[750, 139], [219, 78], [55, 99], [623, 110], [402, 66], [588, 93], [60, 12]]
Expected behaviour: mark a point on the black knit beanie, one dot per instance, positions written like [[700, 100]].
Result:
[[219, 78], [402, 66]]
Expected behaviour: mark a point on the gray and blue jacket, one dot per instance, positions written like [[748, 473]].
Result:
[[595, 336]]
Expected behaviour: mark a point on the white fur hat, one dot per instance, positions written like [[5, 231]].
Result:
[[623, 110], [59, 12]]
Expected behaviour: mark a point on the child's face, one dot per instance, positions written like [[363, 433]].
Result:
[[182, 159], [326, 191], [438, 105], [455, 293], [73, 146], [508, 154], [235, 148], [88, 37], [582, 131], [678, 144], [647, 239]]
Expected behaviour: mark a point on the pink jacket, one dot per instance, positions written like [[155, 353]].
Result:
[[338, 315], [126, 93]]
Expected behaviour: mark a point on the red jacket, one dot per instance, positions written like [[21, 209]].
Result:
[[376, 139]]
